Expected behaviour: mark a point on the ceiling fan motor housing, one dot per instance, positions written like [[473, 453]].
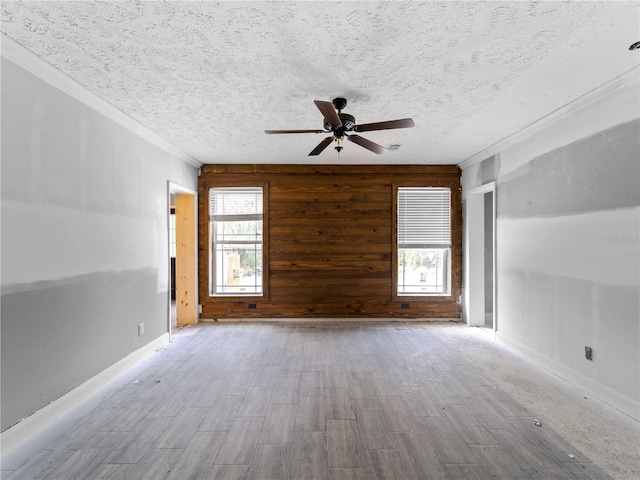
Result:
[[348, 122]]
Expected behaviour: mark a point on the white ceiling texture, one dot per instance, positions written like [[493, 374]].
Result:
[[210, 77]]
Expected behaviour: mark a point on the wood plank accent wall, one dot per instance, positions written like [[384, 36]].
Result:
[[330, 240]]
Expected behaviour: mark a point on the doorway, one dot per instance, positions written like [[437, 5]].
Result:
[[183, 297], [172, 259], [480, 261]]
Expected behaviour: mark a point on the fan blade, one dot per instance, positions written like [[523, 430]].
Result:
[[402, 123], [321, 146], [328, 112], [368, 144], [295, 131]]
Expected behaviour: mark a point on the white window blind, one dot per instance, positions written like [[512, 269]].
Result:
[[424, 217], [235, 204], [236, 223]]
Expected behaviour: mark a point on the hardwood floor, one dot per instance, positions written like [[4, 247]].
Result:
[[307, 401]]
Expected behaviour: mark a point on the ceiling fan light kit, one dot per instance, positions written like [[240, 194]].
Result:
[[338, 124]]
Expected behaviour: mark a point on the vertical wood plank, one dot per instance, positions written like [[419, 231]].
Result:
[[186, 307]]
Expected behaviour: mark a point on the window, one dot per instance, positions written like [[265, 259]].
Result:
[[424, 241], [235, 216]]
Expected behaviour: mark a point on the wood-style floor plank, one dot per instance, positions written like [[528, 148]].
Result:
[[183, 426], [134, 446], [227, 472], [198, 458], [256, 402], [310, 414], [344, 444], [277, 428], [240, 442], [88, 457], [157, 464], [499, 464], [419, 459], [373, 432], [309, 456], [206, 394], [398, 415], [285, 391], [110, 471], [338, 404], [274, 401], [222, 414], [237, 384], [449, 446], [348, 474], [466, 471], [385, 465], [311, 383], [271, 461], [39, 466], [467, 426]]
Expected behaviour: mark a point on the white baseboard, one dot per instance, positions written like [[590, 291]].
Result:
[[30, 426], [618, 400]]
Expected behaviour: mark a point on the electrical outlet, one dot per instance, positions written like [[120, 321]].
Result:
[[588, 353], [140, 329]]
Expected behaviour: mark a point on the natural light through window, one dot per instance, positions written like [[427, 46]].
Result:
[[235, 216], [424, 241]]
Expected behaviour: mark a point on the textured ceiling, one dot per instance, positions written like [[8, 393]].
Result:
[[209, 77]]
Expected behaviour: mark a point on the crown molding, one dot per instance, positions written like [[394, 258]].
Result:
[[24, 58], [620, 83]]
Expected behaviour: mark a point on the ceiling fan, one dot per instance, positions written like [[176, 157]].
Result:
[[338, 124]]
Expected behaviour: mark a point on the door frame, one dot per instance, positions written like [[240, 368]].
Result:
[[474, 229], [191, 286]]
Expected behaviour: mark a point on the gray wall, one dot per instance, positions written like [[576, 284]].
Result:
[[84, 242], [568, 262]]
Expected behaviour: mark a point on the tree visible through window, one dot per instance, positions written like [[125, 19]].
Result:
[[235, 216], [424, 240]]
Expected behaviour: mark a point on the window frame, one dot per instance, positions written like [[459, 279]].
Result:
[[235, 297], [450, 274]]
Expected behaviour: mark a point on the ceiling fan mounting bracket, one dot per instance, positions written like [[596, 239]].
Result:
[[339, 103]]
